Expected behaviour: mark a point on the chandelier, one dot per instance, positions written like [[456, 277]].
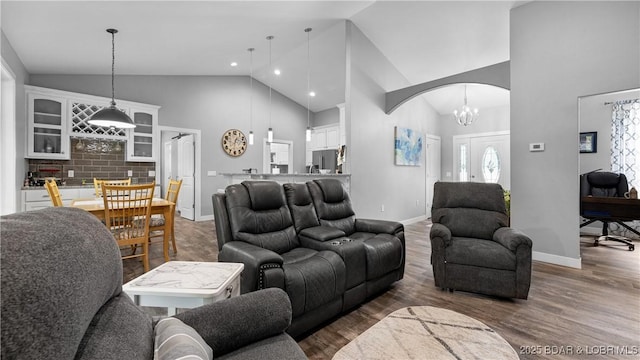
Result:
[[466, 115]]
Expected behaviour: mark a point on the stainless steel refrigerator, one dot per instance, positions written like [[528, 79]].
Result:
[[325, 159]]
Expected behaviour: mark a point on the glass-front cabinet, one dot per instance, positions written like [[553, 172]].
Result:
[[55, 116], [140, 146], [48, 138]]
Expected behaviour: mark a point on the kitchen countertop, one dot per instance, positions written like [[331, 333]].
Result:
[[86, 186], [282, 175]]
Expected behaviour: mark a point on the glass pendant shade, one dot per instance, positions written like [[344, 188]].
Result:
[[111, 116], [251, 137], [270, 132], [308, 132]]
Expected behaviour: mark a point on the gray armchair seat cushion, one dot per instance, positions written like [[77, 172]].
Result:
[[480, 253]]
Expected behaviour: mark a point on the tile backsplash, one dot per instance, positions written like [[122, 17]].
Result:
[[102, 159]]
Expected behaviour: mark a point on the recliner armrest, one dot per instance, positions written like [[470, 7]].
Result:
[[378, 226], [511, 238], [233, 323], [442, 232], [253, 257], [322, 233]]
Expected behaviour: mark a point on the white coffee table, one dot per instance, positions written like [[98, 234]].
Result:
[[185, 284]]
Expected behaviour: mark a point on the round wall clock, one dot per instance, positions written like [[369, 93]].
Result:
[[234, 142]]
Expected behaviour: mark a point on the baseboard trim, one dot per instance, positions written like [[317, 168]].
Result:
[[205, 218], [557, 260], [414, 220]]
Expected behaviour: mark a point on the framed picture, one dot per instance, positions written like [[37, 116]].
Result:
[[589, 142], [408, 147]]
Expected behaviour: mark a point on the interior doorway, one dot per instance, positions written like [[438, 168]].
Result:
[[9, 179], [180, 160], [278, 157], [432, 168]]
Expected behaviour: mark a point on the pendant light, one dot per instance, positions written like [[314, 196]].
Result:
[[270, 132], [251, 96], [308, 132], [466, 116], [111, 116]]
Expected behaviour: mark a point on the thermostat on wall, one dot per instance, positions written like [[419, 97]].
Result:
[[536, 147]]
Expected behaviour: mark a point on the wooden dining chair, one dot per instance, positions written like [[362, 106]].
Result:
[[127, 210], [97, 184], [54, 192], [158, 224]]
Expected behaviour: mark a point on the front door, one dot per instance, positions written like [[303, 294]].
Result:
[[490, 159]]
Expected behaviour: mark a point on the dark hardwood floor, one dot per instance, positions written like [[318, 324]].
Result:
[[596, 308]]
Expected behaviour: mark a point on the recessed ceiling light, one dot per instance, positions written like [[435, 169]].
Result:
[[276, 71], [312, 93], [234, 64]]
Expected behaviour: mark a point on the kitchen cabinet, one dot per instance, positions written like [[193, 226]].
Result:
[[322, 138], [55, 116], [141, 144], [47, 127], [38, 198]]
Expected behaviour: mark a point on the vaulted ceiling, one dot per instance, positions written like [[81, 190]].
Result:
[[425, 40]]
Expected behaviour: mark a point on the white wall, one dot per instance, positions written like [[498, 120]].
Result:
[[596, 116], [22, 78], [326, 117], [490, 120], [560, 51], [213, 104], [375, 180]]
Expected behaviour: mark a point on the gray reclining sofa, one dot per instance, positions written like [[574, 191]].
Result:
[[306, 240]]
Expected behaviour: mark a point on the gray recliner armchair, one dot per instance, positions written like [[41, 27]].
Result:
[[62, 299], [472, 247]]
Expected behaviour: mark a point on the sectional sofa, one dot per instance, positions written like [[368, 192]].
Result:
[[306, 240]]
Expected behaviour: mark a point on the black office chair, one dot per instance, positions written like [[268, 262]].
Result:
[[604, 184]]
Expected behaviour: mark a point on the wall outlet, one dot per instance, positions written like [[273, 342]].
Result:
[[212, 173], [382, 208], [70, 173], [152, 173], [129, 173], [448, 174]]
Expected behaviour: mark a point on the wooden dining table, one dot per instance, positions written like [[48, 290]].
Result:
[[158, 206]]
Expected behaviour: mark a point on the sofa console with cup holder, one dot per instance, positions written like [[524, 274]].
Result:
[[306, 240]]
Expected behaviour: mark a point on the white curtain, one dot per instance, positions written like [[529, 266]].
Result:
[[625, 144]]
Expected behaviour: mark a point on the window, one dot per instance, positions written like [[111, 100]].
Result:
[[490, 165], [463, 165]]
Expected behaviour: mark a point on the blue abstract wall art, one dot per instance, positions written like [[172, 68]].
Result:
[[408, 147]]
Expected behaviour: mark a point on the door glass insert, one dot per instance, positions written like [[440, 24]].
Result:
[[490, 165], [463, 164]]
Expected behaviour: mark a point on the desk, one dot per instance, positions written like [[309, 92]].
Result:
[[158, 206], [185, 284], [617, 208], [611, 209]]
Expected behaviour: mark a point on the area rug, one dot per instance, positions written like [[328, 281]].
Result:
[[426, 332]]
